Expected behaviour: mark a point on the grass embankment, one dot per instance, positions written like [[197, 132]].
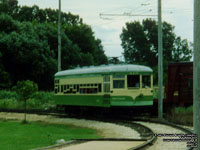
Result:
[[178, 115], [18, 136], [40, 100], [182, 115]]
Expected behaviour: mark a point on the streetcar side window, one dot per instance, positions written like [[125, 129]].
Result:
[[133, 81], [118, 83], [65, 87], [146, 81], [56, 81], [78, 88], [61, 88], [99, 87]]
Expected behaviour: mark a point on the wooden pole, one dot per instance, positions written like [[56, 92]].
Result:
[[196, 71], [160, 63], [59, 37]]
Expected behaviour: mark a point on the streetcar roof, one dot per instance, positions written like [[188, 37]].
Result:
[[122, 68]]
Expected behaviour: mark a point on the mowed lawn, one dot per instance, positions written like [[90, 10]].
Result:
[[17, 136]]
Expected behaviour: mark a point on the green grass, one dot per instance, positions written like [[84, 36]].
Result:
[[182, 115], [18, 136], [184, 110]]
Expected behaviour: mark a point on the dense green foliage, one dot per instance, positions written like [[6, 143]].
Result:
[[25, 89], [140, 43], [28, 44], [38, 101], [15, 135], [181, 115]]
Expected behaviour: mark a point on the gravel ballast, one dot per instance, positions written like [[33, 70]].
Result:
[[165, 129]]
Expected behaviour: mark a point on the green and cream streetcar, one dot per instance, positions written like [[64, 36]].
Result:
[[105, 86]]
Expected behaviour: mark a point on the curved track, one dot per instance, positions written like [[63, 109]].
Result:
[[166, 130], [147, 138], [148, 130], [159, 130]]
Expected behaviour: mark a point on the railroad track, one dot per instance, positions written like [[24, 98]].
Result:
[[147, 138], [150, 131], [154, 136]]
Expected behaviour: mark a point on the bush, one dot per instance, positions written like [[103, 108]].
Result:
[[8, 95], [182, 115], [43, 97], [184, 110], [39, 100], [43, 100], [8, 104]]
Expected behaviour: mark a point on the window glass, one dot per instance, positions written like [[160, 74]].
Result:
[[118, 83], [58, 88], [133, 81], [56, 81], [99, 87], [146, 81], [107, 78], [77, 88], [61, 88], [106, 87]]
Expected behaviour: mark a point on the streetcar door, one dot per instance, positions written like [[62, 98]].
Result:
[[106, 90], [106, 83]]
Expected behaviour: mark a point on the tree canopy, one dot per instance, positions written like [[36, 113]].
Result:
[[140, 44], [28, 44]]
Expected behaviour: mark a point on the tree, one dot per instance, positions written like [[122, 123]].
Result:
[[25, 56], [25, 89], [28, 44], [7, 24], [5, 82], [84, 37], [35, 14], [140, 44]]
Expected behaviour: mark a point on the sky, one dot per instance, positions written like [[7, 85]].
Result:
[[108, 28]]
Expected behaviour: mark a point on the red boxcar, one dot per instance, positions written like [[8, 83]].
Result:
[[179, 88]]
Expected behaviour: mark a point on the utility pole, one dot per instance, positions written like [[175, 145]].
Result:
[[196, 72], [160, 63], [59, 37], [160, 54]]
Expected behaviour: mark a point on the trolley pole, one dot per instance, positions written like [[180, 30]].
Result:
[[160, 63], [196, 72], [59, 37]]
